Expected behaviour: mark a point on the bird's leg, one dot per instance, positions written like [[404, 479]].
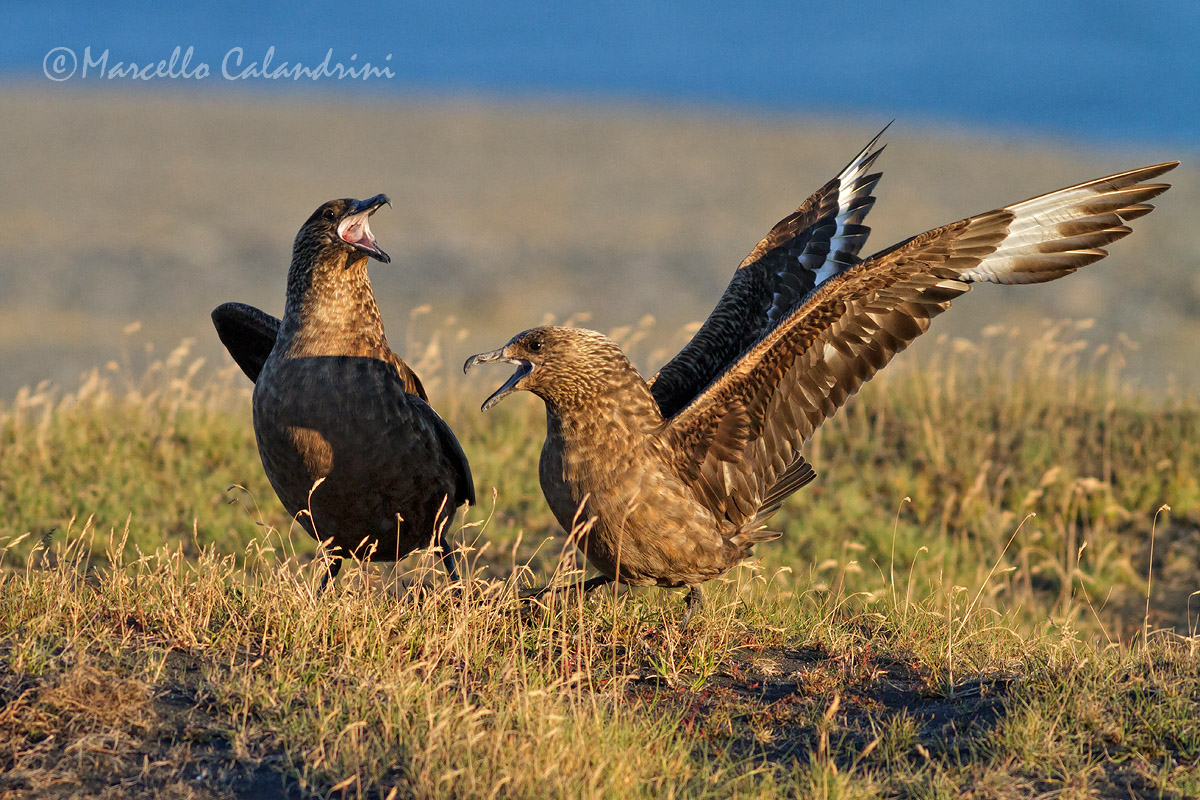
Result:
[[588, 585], [335, 566], [448, 558], [596, 583], [695, 600]]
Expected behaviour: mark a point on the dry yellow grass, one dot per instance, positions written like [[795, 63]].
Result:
[[915, 634]]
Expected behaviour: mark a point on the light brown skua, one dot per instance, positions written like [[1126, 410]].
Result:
[[670, 482]]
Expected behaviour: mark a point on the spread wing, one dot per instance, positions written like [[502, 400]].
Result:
[[819, 240], [248, 333], [740, 439]]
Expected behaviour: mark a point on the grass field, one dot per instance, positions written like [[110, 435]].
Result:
[[986, 593], [153, 207]]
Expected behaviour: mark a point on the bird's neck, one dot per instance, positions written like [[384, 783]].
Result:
[[599, 452], [331, 310], [613, 405]]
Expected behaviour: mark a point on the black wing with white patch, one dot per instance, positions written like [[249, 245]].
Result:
[[821, 239]]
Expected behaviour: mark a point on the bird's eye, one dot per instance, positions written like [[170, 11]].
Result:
[[329, 214], [535, 346]]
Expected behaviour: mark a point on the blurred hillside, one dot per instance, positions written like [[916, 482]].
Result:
[[145, 207]]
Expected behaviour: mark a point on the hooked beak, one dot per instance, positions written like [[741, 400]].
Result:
[[355, 230], [523, 368]]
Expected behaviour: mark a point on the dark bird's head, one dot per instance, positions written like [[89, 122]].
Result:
[[563, 366], [341, 230]]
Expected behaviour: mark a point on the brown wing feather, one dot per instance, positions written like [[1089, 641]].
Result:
[[805, 368], [820, 239]]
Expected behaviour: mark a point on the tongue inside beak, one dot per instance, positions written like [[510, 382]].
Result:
[[356, 230], [510, 386]]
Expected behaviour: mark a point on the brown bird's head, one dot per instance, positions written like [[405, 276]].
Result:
[[341, 229], [560, 365]]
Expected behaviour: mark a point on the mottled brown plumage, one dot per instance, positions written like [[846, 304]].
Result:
[[669, 482], [344, 430]]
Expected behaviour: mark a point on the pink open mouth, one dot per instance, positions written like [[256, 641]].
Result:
[[356, 230]]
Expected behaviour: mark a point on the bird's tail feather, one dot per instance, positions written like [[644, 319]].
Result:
[[747, 539]]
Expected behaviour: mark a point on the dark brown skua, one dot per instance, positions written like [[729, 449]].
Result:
[[670, 481], [345, 432]]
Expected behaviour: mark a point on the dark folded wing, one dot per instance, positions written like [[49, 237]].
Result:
[[819, 240], [248, 334], [740, 439], [412, 384], [464, 484]]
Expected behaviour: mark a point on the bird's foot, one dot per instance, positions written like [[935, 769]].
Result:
[[532, 598], [537, 593], [695, 601]]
